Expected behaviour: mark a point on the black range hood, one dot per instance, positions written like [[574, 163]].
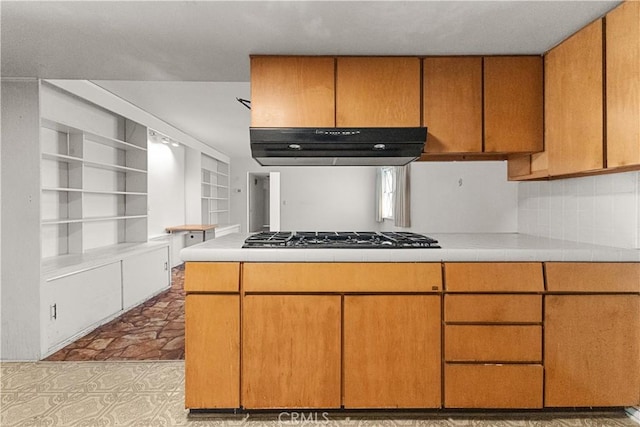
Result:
[[337, 146]]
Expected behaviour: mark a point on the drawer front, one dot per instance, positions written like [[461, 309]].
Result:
[[493, 343], [494, 277], [342, 277], [593, 277], [212, 277], [492, 386], [493, 308]]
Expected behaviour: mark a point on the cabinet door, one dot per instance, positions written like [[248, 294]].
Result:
[[574, 103], [392, 351], [378, 92], [212, 351], [592, 350], [144, 275], [453, 104], [80, 301], [291, 351], [292, 91], [623, 85], [513, 106]]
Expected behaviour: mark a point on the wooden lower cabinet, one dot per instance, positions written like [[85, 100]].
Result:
[[291, 351], [517, 386], [212, 351], [392, 351], [592, 351]]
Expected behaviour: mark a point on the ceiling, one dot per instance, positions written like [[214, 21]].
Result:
[[186, 61]]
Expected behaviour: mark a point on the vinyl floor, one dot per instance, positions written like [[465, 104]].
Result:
[[151, 394]]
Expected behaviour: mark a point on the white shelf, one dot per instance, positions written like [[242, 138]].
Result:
[[89, 219], [90, 163], [80, 190], [62, 158], [90, 136], [215, 185], [215, 191]]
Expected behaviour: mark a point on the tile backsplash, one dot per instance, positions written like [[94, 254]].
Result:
[[603, 210]]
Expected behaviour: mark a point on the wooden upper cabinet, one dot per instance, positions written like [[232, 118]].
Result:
[[452, 104], [513, 104], [623, 85], [574, 103], [291, 91], [378, 92]]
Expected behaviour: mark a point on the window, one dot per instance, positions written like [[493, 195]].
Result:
[[387, 192]]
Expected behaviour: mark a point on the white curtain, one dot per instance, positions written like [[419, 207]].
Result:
[[379, 195], [401, 199]]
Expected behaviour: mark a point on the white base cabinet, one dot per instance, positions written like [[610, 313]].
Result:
[[75, 302], [79, 301], [144, 275]]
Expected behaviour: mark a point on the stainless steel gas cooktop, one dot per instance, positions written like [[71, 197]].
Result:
[[340, 240]]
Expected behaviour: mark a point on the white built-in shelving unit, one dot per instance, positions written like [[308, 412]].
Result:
[[94, 187], [215, 191], [96, 260]]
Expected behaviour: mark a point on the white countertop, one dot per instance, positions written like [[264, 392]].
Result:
[[62, 265], [455, 247]]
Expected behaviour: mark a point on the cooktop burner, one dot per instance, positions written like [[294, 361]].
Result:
[[340, 239]]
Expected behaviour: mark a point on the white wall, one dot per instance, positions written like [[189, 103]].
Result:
[[342, 198], [20, 280], [166, 187], [461, 197], [601, 209], [312, 198]]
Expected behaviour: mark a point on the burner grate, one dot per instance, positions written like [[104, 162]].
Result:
[[340, 240]]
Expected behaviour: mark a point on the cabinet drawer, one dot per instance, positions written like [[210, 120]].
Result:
[[493, 343], [494, 277], [493, 308], [492, 386], [342, 277], [593, 277], [212, 277]]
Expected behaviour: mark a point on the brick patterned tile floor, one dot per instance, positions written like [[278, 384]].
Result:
[[154, 330]]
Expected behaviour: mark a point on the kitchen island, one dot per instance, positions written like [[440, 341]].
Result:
[[488, 321], [471, 247]]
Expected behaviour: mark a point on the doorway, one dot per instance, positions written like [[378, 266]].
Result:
[[263, 202]]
